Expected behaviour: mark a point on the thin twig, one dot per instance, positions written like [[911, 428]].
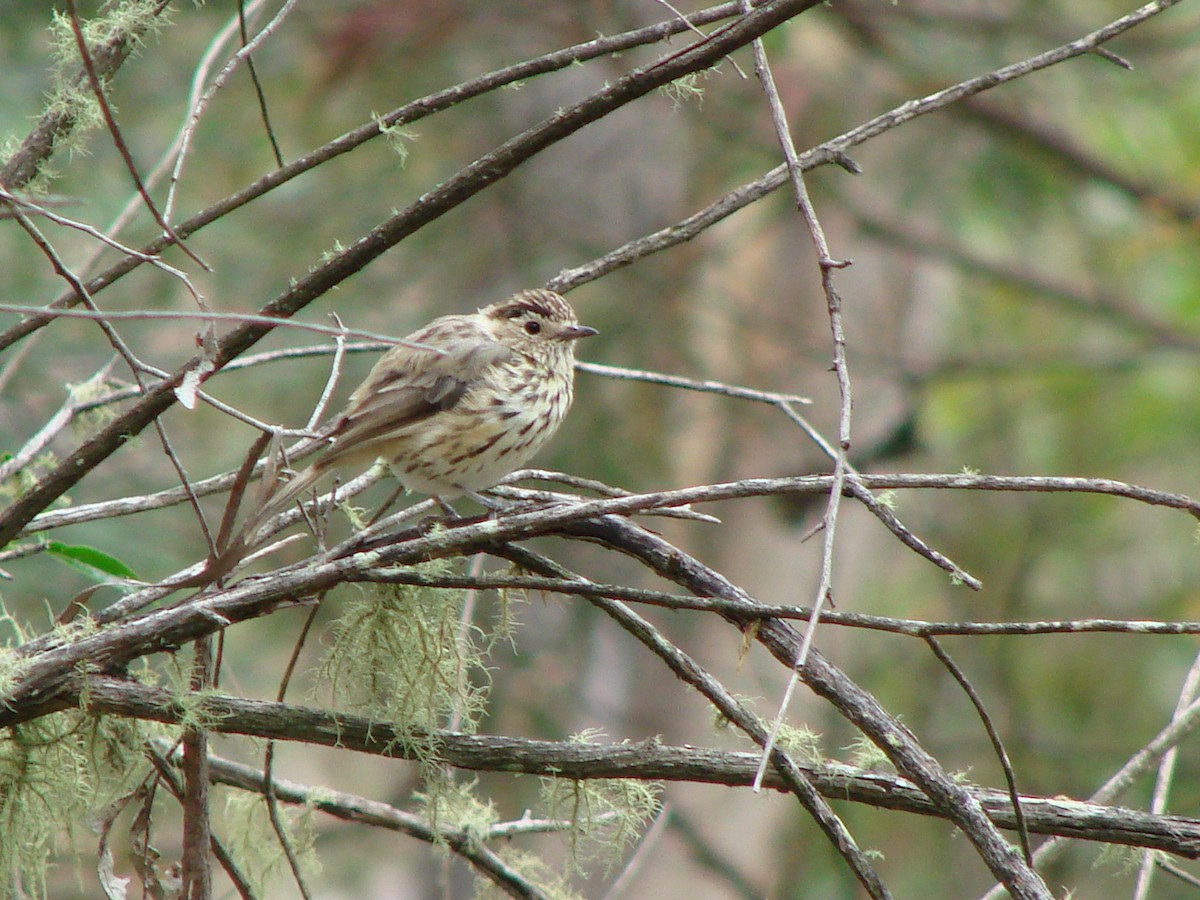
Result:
[[705, 852], [505, 488], [335, 371], [1010, 777], [466, 622], [201, 104], [696, 30], [101, 237], [235, 318], [1181, 725], [136, 367], [361, 810], [259, 92], [163, 167], [691, 384], [637, 859], [1175, 871], [268, 773], [827, 265], [1166, 772], [114, 130], [754, 610], [910, 540]]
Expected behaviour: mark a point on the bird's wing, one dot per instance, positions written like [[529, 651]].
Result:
[[408, 385]]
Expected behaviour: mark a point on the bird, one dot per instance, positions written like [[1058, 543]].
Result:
[[454, 419]]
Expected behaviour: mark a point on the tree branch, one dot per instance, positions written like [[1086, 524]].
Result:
[[857, 705], [649, 760]]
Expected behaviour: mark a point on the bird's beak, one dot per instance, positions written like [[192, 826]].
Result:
[[575, 332]]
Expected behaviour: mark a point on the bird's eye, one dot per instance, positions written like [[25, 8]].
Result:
[[533, 327]]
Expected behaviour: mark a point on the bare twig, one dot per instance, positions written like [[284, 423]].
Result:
[[98, 90], [691, 384], [144, 315], [1166, 772], [827, 265], [259, 93], [268, 773], [696, 30], [993, 735], [361, 810], [335, 371], [754, 610], [620, 886], [40, 209], [201, 104]]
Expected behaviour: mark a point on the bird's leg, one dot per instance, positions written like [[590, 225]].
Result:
[[446, 507], [494, 505], [379, 513]]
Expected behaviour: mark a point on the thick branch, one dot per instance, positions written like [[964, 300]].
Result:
[[647, 760], [50, 660], [857, 705]]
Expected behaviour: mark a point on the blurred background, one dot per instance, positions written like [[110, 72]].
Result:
[[1023, 299]]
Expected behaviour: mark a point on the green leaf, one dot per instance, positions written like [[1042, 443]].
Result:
[[90, 561]]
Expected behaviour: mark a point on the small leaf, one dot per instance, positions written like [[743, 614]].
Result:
[[192, 379], [90, 561]]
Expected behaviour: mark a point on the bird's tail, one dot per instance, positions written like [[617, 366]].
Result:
[[277, 500], [270, 501]]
